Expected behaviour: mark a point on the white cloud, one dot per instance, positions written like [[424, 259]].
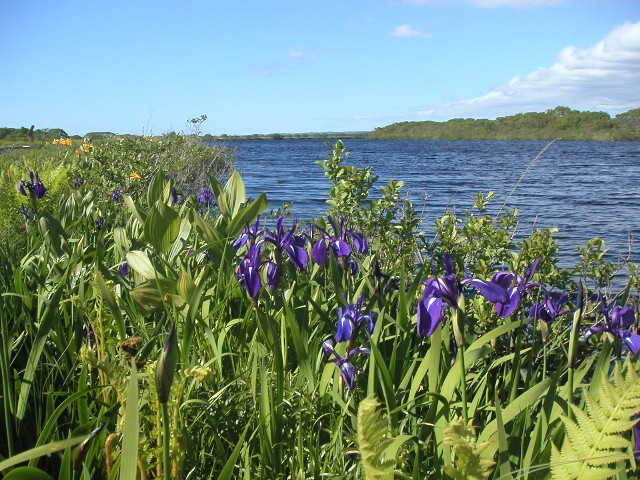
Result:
[[296, 54], [604, 77], [491, 3], [407, 31]]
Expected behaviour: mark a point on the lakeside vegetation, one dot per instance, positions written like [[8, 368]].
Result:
[[560, 122], [157, 323]]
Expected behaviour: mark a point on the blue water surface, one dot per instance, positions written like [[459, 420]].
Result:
[[585, 189]]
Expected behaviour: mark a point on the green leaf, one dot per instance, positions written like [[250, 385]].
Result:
[[129, 453], [235, 194], [47, 449], [46, 323], [139, 261], [27, 473], [230, 465], [246, 215], [110, 299], [162, 227], [152, 293]]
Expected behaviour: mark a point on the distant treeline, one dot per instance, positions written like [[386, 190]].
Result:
[[286, 136], [20, 136], [560, 122]]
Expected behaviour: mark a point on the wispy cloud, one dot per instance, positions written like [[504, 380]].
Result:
[[490, 3], [277, 67], [604, 77], [407, 31], [297, 54]]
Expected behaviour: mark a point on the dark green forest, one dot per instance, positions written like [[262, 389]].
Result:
[[560, 122]]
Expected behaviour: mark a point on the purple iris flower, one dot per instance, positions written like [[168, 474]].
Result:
[[78, 182], [617, 322], [117, 195], [124, 269], [99, 222], [338, 243], [174, 196], [248, 273], [505, 289], [249, 234], [549, 310], [348, 371], [26, 212], [350, 320], [288, 241], [206, 196], [34, 187], [438, 294]]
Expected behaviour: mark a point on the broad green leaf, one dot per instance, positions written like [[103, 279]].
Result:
[[152, 293], [246, 215], [157, 191], [235, 194], [139, 261], [162, 227], [130, 204]]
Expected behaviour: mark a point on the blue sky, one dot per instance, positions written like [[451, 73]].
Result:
[[309, 66]]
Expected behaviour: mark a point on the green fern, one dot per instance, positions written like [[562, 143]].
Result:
[[598, 439], [375, 443], [468, 463]]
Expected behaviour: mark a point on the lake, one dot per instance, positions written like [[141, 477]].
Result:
[[585, 189]]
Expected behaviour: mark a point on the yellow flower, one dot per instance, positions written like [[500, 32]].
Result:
[[87, 146], [135, 176]]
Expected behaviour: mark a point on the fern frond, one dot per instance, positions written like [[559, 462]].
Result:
[[468, 464], [374, 437], [598, 437]]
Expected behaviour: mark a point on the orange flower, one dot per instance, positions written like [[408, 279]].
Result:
[[135, 176]]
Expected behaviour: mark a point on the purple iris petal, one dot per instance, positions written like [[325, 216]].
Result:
[[430, 315], [206, 196], [273, 275], [348, 371], [319, 252], [116, 195], [124, 269], [351, 319], [549, 310], [632, 340], [492, 291], [338, 243], [359, 242], [623, 317], [249, 272], [340, 248], [617, 321], [501, 291], [34, 186]]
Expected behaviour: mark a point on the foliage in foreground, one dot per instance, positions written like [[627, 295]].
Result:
[[146, 337]]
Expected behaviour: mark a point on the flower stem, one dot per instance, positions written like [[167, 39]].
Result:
[[166, 442]]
